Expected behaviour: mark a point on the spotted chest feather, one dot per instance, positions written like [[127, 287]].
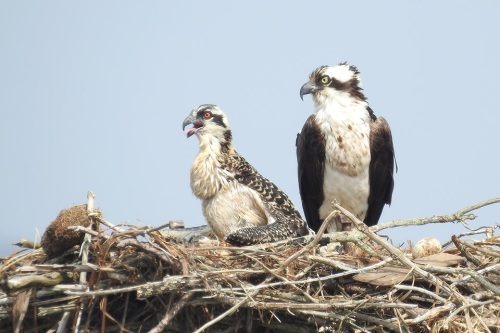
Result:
[[347, 136]]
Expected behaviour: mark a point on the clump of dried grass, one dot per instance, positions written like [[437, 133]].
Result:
[[57, 238]]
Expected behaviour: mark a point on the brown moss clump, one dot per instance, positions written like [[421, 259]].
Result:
[[57, 238]]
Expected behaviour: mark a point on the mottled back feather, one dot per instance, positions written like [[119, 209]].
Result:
[[288, 222]]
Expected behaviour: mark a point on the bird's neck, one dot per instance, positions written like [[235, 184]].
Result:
[[207, 174], [341, 106]]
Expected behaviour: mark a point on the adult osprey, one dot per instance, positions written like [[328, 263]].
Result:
[[344, 152], [238, 203]]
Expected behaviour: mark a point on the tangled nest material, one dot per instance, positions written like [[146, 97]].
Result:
[[131, 279]]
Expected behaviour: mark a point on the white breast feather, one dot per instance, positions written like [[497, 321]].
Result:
[[234, 207], [207, 177], [346, 125]]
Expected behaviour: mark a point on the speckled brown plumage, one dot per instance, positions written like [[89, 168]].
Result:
[[288, 223], [239, 204]]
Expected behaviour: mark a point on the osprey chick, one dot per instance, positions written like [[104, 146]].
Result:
[[344, 152], [238, 203]]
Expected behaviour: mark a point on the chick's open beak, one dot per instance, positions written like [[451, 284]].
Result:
[[190, 120]]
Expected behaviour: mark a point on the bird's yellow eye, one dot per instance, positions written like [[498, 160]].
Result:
[[325, 80], [207, 115]]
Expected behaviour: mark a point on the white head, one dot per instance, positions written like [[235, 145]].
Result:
[[208, 121], [332, 82]]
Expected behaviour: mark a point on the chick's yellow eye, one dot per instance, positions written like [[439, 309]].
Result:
[[325, 79], [207, 115]]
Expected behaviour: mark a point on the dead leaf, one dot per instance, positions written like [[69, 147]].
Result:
[[441, 259], [387, 276]]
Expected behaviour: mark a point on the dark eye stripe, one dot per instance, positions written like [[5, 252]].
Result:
[[202, 111], [352, 87], [217, 118]]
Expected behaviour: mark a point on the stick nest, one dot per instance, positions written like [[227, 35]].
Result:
[[136, 280]]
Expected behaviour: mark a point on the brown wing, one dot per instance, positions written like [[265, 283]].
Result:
[[311, 165], [271, 195], [288, 222], [381, 170]]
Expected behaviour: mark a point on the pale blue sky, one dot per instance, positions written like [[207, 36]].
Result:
[[93, 94]]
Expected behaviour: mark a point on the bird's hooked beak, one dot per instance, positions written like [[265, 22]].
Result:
[[308, 88], [190, 120]]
